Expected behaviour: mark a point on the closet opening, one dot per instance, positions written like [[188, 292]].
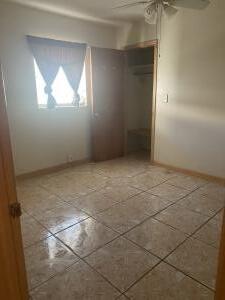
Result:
[[140, 94]]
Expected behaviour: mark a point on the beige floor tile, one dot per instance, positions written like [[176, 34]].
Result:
[[130, 213], [158, 238], [169, 173], [65, 187], [210, 233], [166, 283], [122, 262], [29, 191], [202, 204], [181, 218], [122, 298], [39, 204], [122, 181], [148, 180], [33, 181], [45, 259], [86, 236], [219, 217], [80, 282], [32, 231], [85, 167], [93, 203], [61, 217], [187, 182], [214, 191], [124, 194], [91, 180], [122, 217], [147, 202], [63, 173], [120, 168], [103, 199], [197, 260], [120, 192], [169, 192]]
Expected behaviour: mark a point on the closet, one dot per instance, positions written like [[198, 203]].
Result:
[[122, 93], [139, 67]]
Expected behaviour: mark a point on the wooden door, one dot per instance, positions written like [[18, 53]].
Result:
[[13, 284], [220, 285], [107, 103]]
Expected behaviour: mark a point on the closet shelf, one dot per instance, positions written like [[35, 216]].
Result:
[[140, 70], [142, 74], [141, 131]]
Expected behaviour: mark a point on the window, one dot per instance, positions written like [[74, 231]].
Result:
[[61, 89]]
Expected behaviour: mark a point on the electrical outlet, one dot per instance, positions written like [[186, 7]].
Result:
[[70, 158]]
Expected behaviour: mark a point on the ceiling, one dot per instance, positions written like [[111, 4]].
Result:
[[96, 10]]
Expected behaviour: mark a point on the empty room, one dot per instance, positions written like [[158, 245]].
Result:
[[112, 142]]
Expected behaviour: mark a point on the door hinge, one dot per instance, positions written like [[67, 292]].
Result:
[[15, 210]]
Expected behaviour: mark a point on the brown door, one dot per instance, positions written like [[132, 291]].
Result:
[[13, 284], [107, 103], [220, 285]]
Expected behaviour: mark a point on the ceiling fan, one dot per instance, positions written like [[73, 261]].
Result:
[[154, 8]]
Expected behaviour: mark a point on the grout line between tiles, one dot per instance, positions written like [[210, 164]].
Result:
[[122, 201], [124, 233], [188, 275], [53, 233], [149, 217], [163, 260], [142, 276], [58, 273], [191, 235], [82, 258]]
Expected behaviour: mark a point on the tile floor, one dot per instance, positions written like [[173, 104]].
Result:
[[121, 229]]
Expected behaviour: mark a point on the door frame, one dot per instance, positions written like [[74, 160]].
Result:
[[220, 281], [10, 217], [150, 44]]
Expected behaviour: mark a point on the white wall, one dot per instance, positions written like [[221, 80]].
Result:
[[43, 138], [135, 32], [190, 129]]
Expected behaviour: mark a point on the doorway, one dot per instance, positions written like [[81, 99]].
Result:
[[139, 73], [123, 100]]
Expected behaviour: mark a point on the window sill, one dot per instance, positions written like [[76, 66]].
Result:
[[58, 107]]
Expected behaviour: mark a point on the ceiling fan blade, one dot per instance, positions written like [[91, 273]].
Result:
[[194, 4], [131, 4], [151, 15], [170, 10]]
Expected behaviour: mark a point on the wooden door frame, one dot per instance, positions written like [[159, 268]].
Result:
[[13, 234], [142, 45], [220, 283]]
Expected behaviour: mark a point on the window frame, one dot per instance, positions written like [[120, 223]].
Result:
[[87, 64]]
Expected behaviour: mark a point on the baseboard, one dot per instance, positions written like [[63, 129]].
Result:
[[216, 179], [52, 169], [60, 167]]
